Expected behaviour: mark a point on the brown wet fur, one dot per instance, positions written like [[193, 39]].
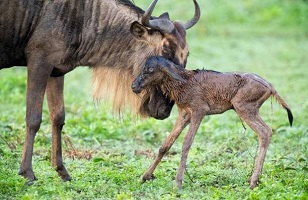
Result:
[[198, 93]]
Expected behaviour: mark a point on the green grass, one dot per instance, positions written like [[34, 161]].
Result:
[[107, 158]]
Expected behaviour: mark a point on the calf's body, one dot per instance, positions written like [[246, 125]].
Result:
[[199, 93]]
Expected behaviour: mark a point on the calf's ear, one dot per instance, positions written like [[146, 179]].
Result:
[[177, 77], [173, 74], [139, 31]]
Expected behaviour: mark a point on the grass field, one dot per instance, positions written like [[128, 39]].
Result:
[[106, 155]]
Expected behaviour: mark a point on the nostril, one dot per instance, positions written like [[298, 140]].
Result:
[[136, 89], [134, 85]]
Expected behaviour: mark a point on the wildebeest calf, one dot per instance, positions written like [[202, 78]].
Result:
[[205, 92]]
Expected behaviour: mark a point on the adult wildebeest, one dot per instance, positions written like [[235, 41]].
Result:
[[114, 37]]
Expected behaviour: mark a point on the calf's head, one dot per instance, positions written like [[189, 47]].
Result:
[[156, 70]]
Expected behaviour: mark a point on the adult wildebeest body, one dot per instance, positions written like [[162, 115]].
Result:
[[114, 37]]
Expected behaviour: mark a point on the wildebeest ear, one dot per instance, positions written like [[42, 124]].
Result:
[[172, 73], [139, 31], [177, 77], [164, 16]]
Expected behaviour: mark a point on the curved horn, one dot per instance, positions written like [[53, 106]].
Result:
[[195, 19], [161, 24], [147, 14]]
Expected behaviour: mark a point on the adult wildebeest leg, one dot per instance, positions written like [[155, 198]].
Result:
[[264, 134], [38, 74], [194, 125], [54, 92], [181, 123]]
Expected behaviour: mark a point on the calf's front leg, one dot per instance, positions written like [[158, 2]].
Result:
[[181, 123], [188, 140], [54, 93]]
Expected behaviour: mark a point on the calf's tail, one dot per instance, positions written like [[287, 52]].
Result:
[[284, 105]]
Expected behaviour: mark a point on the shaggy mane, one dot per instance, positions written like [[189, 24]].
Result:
[[130, 4], [114, 86]]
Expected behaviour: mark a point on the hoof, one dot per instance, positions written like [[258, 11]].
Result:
[[66, 177], [63, 173], [179, 184], [29, 175], [253, 184], [147, 177], [29, 183]]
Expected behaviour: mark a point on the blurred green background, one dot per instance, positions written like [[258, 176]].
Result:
[[108, 154]]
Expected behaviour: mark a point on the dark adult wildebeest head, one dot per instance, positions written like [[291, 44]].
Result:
[[113, 37], [148, 36]]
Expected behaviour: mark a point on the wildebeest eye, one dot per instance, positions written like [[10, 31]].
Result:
[[168, 53]]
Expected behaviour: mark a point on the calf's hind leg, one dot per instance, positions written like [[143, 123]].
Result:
[[264, 135], [54, 93]]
